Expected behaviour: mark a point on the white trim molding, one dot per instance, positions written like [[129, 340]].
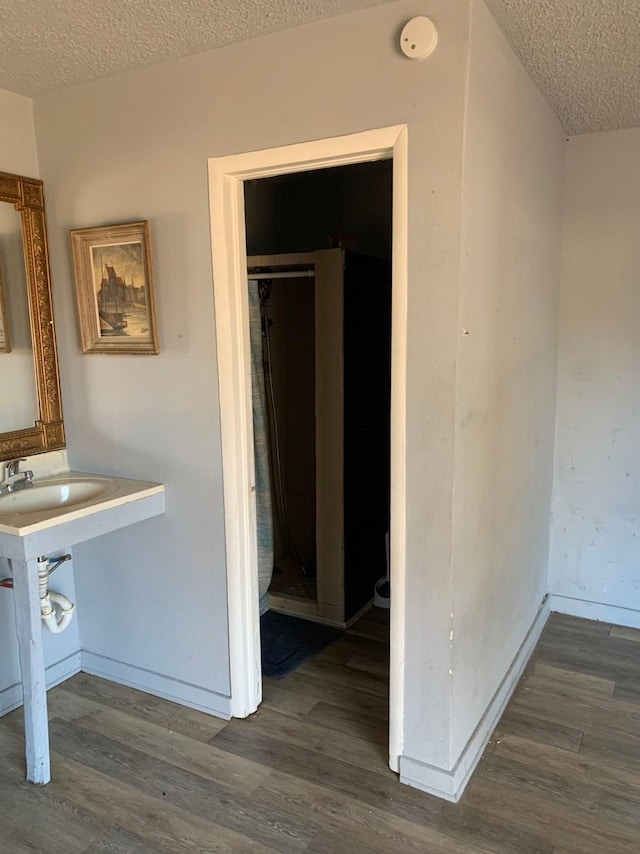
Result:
[[226, 178], [157, 684], [450, 784], [616, 614]]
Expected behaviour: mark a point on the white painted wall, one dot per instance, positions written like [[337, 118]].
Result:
[[136, 146], [18, 155], [595, 550], [506, 380], [17, 135]]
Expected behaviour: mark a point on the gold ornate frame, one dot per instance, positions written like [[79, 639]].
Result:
[[83, 241], [47, 434]]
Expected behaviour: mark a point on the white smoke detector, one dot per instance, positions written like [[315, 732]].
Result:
[[418, 38]]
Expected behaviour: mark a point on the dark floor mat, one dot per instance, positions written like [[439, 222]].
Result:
[[288, 641]]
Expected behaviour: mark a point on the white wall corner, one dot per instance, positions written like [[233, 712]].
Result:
[[60, 671], [450, 784], [184, 693]]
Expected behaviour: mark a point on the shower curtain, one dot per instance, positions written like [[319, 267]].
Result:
[[261, 451]]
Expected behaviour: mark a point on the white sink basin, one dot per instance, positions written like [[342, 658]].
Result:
[[66, 501], [54, 493]]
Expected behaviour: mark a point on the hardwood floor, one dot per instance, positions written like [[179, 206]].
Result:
[[133, 773]]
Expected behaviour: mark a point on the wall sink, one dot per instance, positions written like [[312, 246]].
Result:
[[74, 497], [53, 493], [53, 514]]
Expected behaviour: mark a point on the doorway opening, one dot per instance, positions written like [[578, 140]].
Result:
[[228, 177], [320, 325]]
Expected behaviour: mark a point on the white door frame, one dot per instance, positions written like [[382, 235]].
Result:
[[228, 238]]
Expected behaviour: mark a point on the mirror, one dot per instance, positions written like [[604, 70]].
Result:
[[17, 375], [30, 405]]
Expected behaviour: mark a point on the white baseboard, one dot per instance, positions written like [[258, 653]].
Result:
[[11, 697], [450, 784], [615, 614], [157, 684]]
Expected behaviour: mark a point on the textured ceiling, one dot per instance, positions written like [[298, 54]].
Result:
[[51, 44], [583, 54]]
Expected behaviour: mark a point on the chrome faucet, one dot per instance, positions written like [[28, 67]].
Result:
[[13, 467], [12, 470]]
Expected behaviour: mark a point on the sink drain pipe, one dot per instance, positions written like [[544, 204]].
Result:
[[56, 610]]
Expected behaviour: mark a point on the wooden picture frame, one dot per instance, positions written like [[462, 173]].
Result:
[[115, 289], [5, 337]]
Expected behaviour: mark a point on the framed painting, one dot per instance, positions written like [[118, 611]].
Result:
[[115, 289], [5, 340]]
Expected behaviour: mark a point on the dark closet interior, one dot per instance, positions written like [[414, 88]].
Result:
[[299, 218]]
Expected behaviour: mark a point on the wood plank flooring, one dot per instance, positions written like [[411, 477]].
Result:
[[308, 772]]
